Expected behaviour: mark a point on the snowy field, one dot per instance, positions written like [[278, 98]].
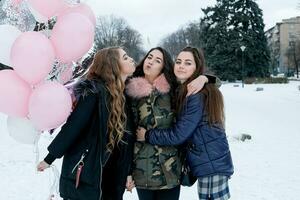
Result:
[[267, 167]]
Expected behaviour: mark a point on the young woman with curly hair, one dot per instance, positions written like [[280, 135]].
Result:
[[96, 141]]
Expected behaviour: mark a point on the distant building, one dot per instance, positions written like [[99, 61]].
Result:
[[280, 38]]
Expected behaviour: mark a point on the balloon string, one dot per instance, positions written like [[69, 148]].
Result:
[[53, 173], [36, 148], [54, 187]]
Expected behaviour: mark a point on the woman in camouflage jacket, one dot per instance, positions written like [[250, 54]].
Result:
[[156, 169]]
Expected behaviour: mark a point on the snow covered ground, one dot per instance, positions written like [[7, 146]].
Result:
[[266, 167]]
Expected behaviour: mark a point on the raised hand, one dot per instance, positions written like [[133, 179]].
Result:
[[196, 85]]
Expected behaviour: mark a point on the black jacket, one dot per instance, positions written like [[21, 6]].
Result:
[[84, 137]]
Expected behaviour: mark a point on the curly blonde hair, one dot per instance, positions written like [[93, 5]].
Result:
[[106, 67]]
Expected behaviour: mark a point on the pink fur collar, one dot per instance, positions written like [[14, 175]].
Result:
[[139, 87]]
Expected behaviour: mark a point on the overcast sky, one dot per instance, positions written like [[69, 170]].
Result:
[[155, 19]]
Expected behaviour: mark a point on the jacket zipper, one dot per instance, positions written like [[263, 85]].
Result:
[[147, 165], [80, 161], [100, 183], [100, 178]]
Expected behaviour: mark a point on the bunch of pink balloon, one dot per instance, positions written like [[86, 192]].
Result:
[[25, 97], [47, 105], [73, 34]]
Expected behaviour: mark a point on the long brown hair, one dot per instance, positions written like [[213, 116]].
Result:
[[213, 98], [106, 67], [182, 90]]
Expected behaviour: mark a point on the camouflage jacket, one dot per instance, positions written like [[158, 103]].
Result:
[[154, 167]]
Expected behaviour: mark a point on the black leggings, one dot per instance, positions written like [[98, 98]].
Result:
[[166, 194]]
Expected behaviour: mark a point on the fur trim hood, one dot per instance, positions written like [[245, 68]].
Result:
[[139, 87], [84, 87]]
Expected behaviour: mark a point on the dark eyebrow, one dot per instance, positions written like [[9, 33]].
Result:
[[125, 54], [188, 60], [159, 59], [156, 57]]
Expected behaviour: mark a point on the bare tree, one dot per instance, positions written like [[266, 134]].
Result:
[[114, 31], [174, 42], [189, 35], [109, 31]]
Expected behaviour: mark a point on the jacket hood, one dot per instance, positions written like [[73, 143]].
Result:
[[84, 86], [139, 87]]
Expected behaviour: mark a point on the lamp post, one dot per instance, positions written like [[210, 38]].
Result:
[[243, 49]]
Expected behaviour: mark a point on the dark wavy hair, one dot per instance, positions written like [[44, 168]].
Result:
[[167, 69]]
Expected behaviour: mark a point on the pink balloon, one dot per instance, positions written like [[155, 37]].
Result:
[[80, 8], [49, 105], [72, 37], [48, 8], [32, 56], [14, 94]]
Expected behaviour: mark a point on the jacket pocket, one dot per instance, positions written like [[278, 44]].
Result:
[[74, 167], [81, 161]]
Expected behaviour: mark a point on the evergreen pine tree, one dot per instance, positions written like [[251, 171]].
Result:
[[225, 28]]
